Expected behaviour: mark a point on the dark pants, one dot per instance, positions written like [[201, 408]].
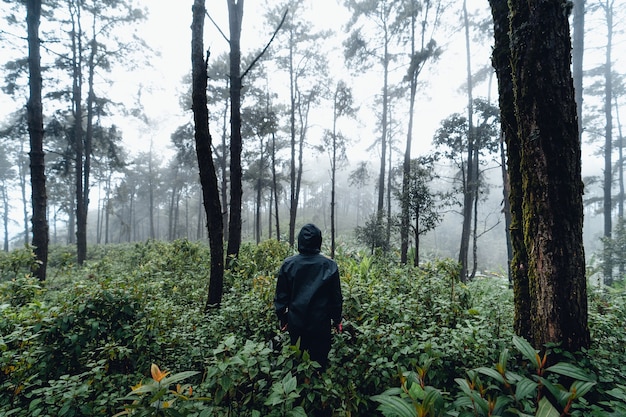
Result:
[[316, 343]]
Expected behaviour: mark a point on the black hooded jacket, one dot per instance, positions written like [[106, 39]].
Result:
[[308, 291]]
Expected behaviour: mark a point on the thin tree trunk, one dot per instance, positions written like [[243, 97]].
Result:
[[223, 163], [383, 137], [22, 173], [275, 185], [82, 223], [36, 133], [77, 62], [470, 181], [235, 13], [406, 164], [208, 178], [293, 199], [608, 145]]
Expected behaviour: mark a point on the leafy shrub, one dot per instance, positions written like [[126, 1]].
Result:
[[17, 263]]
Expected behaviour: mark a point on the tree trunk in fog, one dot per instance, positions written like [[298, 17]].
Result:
[[81, 230], [5, 217], [470, 185], [235, 17], [22, 174], [77, 107], [36, 133], [578, 49], [208, 178], [275, 185], [293, 203], [546, 149], [223, 163], [406, 164], [383, 137], [607, 5], [151, 185]]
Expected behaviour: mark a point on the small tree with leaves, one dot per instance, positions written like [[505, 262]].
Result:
[[422, 202]]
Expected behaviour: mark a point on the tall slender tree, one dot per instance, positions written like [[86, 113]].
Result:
[[607, 7], [36, 132], [335, 144], [365, 52], [202, 135], [423, 49]]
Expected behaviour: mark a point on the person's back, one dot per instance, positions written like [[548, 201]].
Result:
[[308, 297]]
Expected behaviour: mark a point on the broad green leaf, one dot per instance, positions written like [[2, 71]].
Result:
[[571, 371], [416, 392], [527, 350], [503, 359], [560, 393], [465, 387], [492, 373], [290, 383], [546, 409], [432, 396], [579, 388], [297, 412], [178, 377], [524, 388], [394, 406]]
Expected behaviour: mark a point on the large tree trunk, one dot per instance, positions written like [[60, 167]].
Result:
[[550, 163], [208, 178], [235, 13], [35, 129]]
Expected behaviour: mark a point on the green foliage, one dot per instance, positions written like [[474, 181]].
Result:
[[17, 264], [73, 346]]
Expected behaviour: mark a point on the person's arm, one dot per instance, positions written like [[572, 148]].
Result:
[[282, 298]]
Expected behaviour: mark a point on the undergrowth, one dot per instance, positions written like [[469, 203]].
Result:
[[89, 341]]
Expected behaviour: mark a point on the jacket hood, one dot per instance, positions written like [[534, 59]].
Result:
[[309, 239]]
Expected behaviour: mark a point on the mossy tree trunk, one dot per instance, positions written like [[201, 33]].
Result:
[[501, 60], [544, 165]]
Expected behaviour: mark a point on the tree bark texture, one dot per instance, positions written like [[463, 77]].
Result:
[[36, 133], [501, 61], [550, 166], [235, 13], [208, 177]]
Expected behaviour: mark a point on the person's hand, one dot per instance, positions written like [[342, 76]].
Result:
[[339, 327], [283, 328]]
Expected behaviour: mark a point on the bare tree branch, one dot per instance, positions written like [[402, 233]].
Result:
[[217, 27], [266, 46]]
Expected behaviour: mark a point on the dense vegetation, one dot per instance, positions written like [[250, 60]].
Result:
[[415, 341]]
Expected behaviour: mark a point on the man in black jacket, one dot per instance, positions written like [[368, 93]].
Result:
[[308, 297]]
